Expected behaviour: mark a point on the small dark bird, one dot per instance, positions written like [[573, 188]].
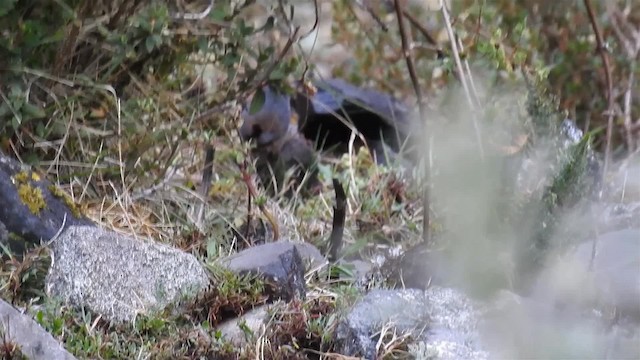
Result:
[[329, 116], [278, 145]]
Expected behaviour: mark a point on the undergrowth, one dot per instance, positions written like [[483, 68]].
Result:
[[113, 102]]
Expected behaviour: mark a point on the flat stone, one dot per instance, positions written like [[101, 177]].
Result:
[[279, 263], [118, 276], [35, 342]]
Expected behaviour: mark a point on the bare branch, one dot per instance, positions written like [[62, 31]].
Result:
[[406, 50], [463, 79], [609, 83]]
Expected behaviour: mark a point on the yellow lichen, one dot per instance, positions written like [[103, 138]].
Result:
[[32, 197], [60, 194], [21, 178], [35, 177]]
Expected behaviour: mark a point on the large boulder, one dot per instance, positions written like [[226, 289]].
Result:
[[118, 276]]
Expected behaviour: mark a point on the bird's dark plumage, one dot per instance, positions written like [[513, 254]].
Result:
[[338, 107]]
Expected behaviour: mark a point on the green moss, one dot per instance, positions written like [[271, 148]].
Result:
[[32, 197], [60, 194]]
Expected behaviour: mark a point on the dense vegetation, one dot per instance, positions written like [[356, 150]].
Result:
[[117, 102]]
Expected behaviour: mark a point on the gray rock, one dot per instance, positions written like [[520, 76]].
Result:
[[234, 330], [118, 276], [279, 263], [311, 256], [35, 343], [31, 226], [441, 324]]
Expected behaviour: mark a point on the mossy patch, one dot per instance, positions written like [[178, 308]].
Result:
[[32, 197], [21, 178], [29, 195], [68, 201]]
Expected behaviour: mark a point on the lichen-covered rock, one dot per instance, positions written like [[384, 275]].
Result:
[[33, 209], [118, 276]]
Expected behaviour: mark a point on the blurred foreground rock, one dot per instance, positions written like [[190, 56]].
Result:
[[35, 343], [612, 284], [118, 276], [440, 322], [33, 209], [516, 327]]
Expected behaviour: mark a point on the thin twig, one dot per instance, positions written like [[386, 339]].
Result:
[[609, 83], [246, 178], [423, 30], [374, 15], [610, 111], [463, 79], [207, 171], [406, 50], [207, 174]]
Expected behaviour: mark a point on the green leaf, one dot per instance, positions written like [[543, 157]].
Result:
[[40, 317], [257, 102], [150, 43], [212, 249], [32, 112]]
